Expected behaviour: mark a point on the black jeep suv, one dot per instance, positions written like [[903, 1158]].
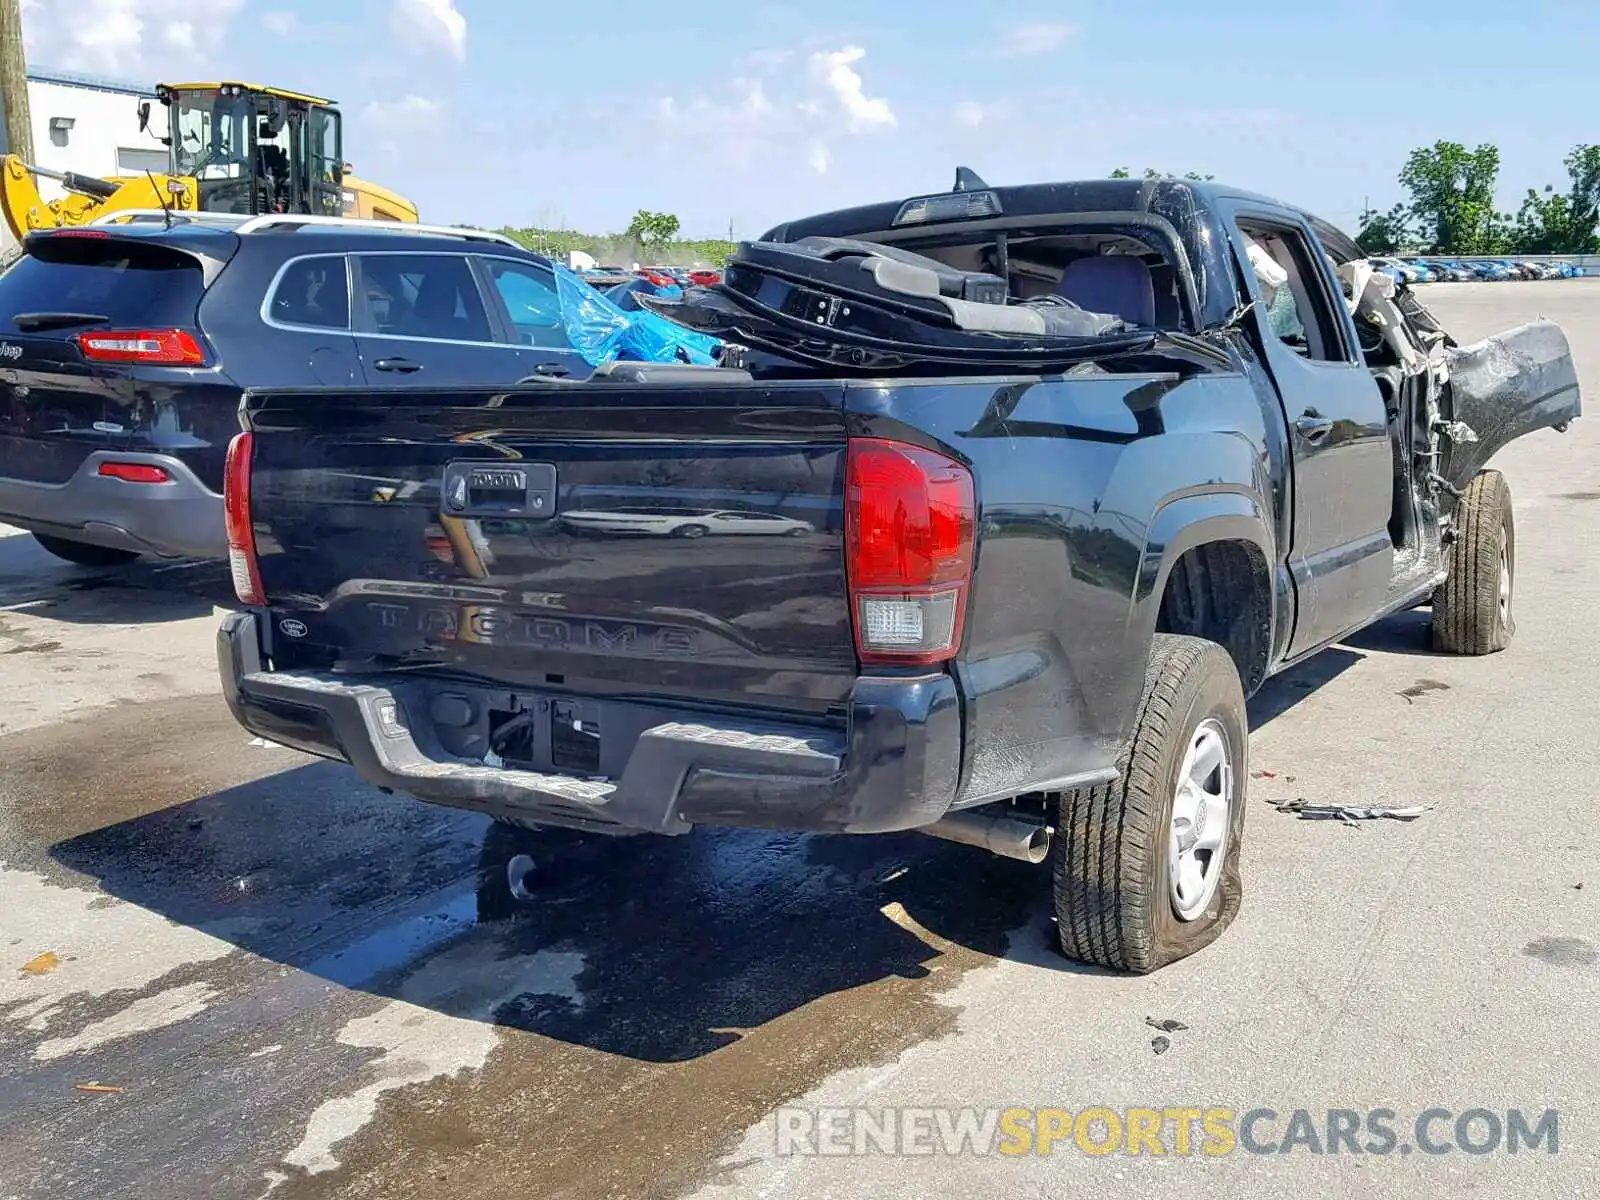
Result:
[[125, 348]]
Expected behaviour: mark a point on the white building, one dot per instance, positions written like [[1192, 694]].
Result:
[[90, 126]]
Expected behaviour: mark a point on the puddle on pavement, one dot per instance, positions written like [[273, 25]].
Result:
[[716, 977], [617, 1036]]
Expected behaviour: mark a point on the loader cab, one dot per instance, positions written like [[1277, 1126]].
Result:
[[253, 150]]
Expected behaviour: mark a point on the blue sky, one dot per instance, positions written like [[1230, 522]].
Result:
[[747, 113]]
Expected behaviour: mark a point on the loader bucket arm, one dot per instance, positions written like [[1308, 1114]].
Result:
[[25, 209]]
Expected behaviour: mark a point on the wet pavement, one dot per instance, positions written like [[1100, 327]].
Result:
[[257, 950], [227, 969]]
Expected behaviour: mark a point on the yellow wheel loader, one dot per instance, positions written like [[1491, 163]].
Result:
[[235, 148]]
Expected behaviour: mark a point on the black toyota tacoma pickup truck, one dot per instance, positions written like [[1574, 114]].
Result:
[[1001, 503]]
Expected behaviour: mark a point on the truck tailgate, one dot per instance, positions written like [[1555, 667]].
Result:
[[658, 541]]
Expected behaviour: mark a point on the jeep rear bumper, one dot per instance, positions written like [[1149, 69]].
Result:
[[179, 518], [892, 764]]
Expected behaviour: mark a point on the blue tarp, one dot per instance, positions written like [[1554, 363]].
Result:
[[625, 295], [602, 332]]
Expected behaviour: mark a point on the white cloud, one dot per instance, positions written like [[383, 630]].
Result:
[[1044, 37], [793, 111], [129, 39], [835, 70], [389, 126], [280, 23], [402, 114], [179, 35], [969, 115], [433, 25]]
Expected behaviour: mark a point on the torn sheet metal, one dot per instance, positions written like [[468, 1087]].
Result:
[[1504, 387], [625, 295], [1350, 814]]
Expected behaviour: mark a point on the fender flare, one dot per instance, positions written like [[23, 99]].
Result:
[[1181, 523]]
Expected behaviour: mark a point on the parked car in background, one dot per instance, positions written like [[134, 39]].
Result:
[[705, 277], [606, 277], [1521, 270], [1444, 271], [1403, 272], [127, 347], [684, 522], [663, 276]]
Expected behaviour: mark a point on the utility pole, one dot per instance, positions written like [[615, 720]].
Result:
[[14, 82]]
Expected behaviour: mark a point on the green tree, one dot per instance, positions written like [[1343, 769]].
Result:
[[1152, 173], [1563, 222], [653, 229], [1452, 198], [1384, 233]]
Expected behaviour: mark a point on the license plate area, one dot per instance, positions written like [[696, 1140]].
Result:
[[519, 489]]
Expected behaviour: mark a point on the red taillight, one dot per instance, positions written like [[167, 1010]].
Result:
[[909, 517], [241, 530], [134, 472], [160, 347]]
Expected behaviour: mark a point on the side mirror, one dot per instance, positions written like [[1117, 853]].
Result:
[[144, 116]]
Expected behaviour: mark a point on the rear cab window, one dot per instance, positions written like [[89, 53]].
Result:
[[130, 284], [430, 296]]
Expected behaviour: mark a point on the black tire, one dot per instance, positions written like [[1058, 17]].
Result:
[[1468, 614], [1113, 845], [84, 554], [690, 531]]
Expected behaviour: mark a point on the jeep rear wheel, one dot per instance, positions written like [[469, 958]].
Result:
[[1147, 868], [83, 553], [1472, 608]]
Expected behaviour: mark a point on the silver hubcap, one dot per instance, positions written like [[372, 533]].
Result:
[[1201, 810], [1505, 586]]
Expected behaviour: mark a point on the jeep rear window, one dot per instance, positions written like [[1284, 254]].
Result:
[[129, 283]]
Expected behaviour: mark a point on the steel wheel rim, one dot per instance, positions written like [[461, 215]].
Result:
[[1202, 808], [1505, 586]]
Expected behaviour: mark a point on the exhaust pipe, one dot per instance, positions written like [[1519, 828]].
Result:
[[1005, 836]]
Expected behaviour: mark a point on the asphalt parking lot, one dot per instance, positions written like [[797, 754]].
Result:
[[229, 970]]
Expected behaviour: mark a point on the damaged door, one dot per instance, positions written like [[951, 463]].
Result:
[[1502, 388], [1341, 556]]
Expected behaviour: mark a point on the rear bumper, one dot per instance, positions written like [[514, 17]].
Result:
[[895, 764], [182, 518]]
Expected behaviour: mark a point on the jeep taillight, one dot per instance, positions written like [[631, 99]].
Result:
[[909, 518], [241, 530], [157, 347]]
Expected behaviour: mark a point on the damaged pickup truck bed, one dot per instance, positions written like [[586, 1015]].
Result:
[[1000, 504]]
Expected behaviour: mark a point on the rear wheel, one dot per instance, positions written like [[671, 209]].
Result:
[[83, 553], [1472, 608], [690, 531], [1147, 868]]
